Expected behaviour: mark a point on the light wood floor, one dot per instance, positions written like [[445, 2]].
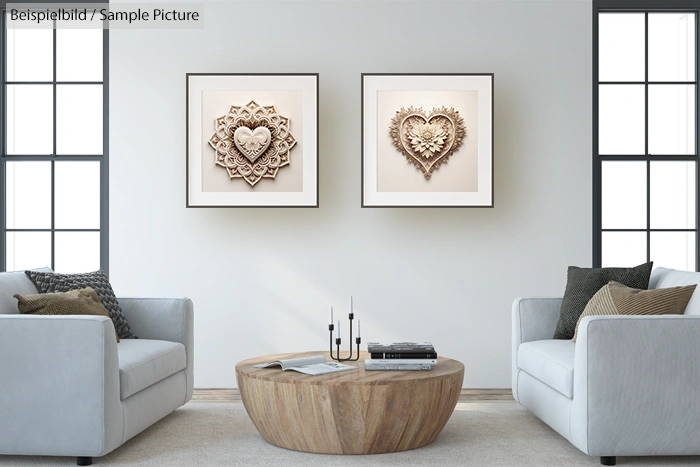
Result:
[[468, 395]]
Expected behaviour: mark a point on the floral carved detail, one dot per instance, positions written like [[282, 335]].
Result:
[[427, 140], [252, 142]]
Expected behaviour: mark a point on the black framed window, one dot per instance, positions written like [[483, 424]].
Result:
[[54, 148], [645, 133]]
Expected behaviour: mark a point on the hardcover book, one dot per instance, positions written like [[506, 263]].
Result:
[[403, 361], [401, 355], [400, 347], [371, 365]]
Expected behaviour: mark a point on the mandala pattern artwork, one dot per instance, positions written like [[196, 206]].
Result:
[[252, 142], [427, 140]]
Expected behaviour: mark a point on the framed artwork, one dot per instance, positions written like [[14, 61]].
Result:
[[427, 140], [252, 140]]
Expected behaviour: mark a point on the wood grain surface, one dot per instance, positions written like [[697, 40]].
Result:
[[351, 412], [466, 396]]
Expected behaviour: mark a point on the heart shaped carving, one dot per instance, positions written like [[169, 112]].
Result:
[[252, 144], [427, 140]]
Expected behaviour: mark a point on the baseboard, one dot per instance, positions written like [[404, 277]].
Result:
[[467, 395]]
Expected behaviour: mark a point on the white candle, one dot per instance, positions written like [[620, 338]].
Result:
[[358, 328], [331, 318], [350, 303], [337, 331]]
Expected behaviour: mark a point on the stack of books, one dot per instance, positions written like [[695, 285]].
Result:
[[400, 356]]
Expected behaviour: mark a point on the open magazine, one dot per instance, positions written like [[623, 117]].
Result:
[[309, 365]]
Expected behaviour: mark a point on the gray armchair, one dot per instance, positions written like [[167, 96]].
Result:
[[68, 389], [629, 386]]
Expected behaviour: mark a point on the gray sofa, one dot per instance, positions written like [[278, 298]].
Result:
[[629, 386], [68, 389]]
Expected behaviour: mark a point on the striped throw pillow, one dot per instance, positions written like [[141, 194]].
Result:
[[618, 299]]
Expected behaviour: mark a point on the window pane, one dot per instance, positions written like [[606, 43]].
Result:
[[79, 54], [28, 195], [675, 250], [624, 195], [621, 119], [29, 54], [77, 195], [77, 252], [28, 250], [624, 249], [671, 47], [79, 119], [673, 195], [30, 119], [671, 119], [621, 47]]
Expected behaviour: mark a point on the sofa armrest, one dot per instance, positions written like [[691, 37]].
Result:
[[637, 385], [59, 385], [167, 319], [533, 319]]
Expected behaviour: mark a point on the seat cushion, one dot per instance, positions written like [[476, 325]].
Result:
[[550, 361], [144, 362]]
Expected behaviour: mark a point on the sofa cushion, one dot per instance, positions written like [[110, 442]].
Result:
[[144, 362], [12, 283], [617, 299], [53, 282], [663, 278], [76, 302], [550, 361], [583, 283]]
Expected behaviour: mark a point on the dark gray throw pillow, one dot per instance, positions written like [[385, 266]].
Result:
[[583, 283], [48, 282]]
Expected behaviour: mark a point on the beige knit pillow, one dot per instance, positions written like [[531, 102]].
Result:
[[76, 302], [618, 299]]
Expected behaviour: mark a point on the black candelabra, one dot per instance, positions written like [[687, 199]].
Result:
[[331, 328]]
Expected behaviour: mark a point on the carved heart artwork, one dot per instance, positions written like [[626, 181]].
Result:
[[427, 140], [252, 142]]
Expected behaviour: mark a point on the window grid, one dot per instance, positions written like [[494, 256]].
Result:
[[102, 158], [646, 7]]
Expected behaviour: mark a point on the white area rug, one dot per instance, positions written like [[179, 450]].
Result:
[[221, 434]]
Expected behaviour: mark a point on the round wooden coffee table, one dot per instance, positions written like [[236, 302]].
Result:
[[351, 412]]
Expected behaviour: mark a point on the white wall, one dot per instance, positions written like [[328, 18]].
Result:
[[262, 279]]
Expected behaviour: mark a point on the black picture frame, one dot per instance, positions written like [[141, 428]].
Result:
[[490, 157], [189, 155]]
